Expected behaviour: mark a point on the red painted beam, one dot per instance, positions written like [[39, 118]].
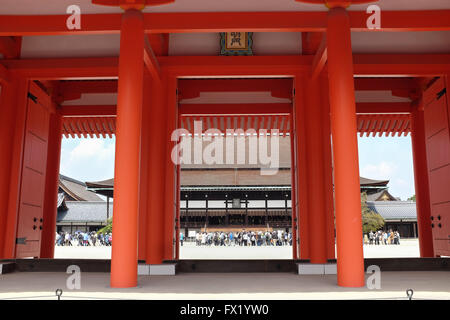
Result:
[[311, 42], [279, 88], [65, 68], [188, 110], [365, 65], [93, 86], [320, 58], [151, 62], [383, 107], [429, 20], [384, 84], [131, 4], [401, 65], [89, 111], [159, 43], [236, 66]]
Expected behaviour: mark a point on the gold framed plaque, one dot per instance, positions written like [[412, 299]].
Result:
[[236, 43]]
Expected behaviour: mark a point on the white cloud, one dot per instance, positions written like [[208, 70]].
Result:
[[92, 149], [88, 159], [382, 170]]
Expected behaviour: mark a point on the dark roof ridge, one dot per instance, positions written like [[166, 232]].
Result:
[[87, 202], [63, 177]]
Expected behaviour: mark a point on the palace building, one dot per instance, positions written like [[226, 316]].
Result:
[[235, 197], [318, 71], [79, 209]]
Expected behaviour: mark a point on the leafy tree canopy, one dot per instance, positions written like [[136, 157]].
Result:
[[107, 228], [372, 221]]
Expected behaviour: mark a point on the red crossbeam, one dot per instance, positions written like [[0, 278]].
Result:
[[425, 20], [279, 88], [186, 110], [365, 65], [89, 111]]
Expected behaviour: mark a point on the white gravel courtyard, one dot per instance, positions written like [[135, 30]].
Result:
[[407, 248]]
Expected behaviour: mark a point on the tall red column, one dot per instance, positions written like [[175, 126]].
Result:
[[301, 163], [328, 170], [170, 172], [144, 166], [156, 175], [421, 183], [51, 187], [177, 213], [294, 183], [128, 131], [315, 174], [350, 256]]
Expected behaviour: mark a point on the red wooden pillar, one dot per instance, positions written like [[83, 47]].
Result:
[[156, 174], [128, 132], [328, 171], [51, 187], [294, 183], [315, 174], [301, 188], [350, 258], [144, 166], [178, 226], [177, 200], [421, 183], [170, 172]]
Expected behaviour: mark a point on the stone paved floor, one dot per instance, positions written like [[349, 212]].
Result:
[[204, 286], [257, 286]]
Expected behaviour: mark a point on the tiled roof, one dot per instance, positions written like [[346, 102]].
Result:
[[370, 182], [233, 177], [377, 195], [394, 210], [77, 189], [85, 211], [95, 211]]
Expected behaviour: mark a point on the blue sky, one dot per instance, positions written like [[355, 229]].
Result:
[[388, 158], [379, 158]]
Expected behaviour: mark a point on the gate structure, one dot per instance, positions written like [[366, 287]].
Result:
[[323, 113]]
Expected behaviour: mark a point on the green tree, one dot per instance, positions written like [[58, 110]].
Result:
[[372, 221], [413, 198], [107, 228]]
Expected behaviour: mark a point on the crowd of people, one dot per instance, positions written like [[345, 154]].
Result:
[[83, 239], [243, 238], [221, 238], [382, 237]]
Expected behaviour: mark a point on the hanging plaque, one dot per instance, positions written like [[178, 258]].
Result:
[[236, 43]]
